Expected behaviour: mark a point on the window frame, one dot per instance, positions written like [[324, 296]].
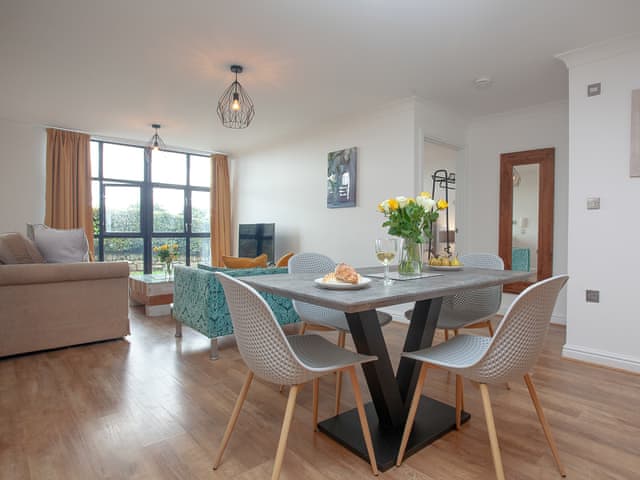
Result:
[[146, 186]]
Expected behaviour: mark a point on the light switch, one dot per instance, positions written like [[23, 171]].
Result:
[[594, 89], [593, 203], [592, 296]]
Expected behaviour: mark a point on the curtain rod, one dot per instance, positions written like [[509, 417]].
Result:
[[137, 143]]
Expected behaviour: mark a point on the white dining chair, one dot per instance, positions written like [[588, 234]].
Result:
[[471, 308], [294, 360], [511, 353], [321, 318]]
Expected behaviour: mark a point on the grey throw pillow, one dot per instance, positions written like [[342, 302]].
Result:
[[60, 246]]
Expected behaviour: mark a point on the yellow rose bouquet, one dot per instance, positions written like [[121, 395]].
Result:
[[167, 253], [411, 219]]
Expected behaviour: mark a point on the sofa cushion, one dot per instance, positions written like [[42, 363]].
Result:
[[60, 246], [15, 248], [283, 261], [245, 262], [50, 273]]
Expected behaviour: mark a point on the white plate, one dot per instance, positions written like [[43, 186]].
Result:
[[338, 285], [445, 268]]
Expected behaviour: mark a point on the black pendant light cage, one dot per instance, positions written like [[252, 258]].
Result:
[[156, 142], [235, 107]]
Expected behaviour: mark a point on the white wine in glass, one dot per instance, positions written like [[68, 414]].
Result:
[[386, 249]]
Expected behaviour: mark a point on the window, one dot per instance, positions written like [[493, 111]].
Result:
[[143, 199]]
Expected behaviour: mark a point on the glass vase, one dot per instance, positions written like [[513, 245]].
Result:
[[168, 269], [410, 258]]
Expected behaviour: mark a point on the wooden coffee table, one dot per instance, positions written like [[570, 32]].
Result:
[[154, 291]]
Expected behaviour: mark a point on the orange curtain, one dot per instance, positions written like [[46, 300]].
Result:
[[220, 209], [68, 183]]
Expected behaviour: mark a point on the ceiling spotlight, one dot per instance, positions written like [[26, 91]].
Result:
[[235, 107], [156, 142], [483, 82]]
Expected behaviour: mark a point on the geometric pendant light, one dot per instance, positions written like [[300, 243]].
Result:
[[235, 107], [156, 142]]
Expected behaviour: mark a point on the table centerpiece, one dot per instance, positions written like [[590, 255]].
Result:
[[411, 219]]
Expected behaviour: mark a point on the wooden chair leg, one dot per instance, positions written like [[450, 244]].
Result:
[[412, 413], [491, 429], [284, 433], [545, 425], [342, 336], [455, 332], [303, 328], [363, 420], [459, 401], [316, 390], [490, 327], [446, 334], [234, 418]]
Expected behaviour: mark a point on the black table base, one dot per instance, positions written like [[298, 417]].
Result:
[[433, 420]]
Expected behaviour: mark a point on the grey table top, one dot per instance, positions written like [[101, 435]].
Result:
[[302, 287]]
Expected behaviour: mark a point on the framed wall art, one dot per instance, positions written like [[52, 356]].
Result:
[[341, 178], [634, 162]]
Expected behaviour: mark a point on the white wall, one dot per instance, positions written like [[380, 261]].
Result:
[[487, 137], [607, 332], [286, 183], [22, 175]]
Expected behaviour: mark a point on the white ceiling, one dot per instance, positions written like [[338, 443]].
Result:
[[113, 67]]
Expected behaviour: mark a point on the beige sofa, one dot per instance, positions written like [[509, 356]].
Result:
[[51, 305]]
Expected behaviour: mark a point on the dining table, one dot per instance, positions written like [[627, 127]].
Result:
[[391, 390]]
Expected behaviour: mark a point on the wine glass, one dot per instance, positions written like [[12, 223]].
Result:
[[386, 249]]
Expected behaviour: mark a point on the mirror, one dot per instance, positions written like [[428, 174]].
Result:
[[526, 214]]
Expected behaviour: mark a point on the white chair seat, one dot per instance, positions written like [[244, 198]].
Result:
[[320, 355], [510, 353], [328, 317], [274, 357], [462, 351], [317, 316]]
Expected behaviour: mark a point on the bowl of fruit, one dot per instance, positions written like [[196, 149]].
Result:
[[445, 262]]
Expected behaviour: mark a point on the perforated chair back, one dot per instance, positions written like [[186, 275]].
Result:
[[308, 262], [515, 347], [261, 342], [480, 303]]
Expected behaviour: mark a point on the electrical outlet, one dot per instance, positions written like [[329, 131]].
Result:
[[593, 203], [593, 89], [592, 296]]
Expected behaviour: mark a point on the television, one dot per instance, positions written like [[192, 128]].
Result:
[[255, 239]]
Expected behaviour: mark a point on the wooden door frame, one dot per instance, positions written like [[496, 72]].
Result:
[[545, 158]]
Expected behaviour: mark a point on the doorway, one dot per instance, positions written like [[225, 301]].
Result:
[[440, 160]]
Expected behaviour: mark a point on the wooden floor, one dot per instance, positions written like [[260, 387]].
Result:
[[155, 407]]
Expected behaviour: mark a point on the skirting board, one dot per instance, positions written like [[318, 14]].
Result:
[[600, 357]]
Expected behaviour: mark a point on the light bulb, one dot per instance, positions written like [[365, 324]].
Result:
[[235, 104]]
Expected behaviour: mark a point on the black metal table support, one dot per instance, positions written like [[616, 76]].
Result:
[[391, 394]]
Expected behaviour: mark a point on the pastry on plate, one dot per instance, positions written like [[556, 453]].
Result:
[[346, 273]]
